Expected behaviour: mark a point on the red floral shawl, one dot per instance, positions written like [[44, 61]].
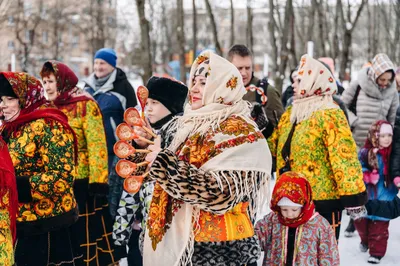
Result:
[[66, 85], [33, 105], [295, 187], [8, 184]]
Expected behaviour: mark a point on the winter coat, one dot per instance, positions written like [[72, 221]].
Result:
[[372, 104], [43, 159], [274, 103], [323, 149], [379, 191], [87, 122], [114, 97], [287, 94], [395, 156], [315, 242]]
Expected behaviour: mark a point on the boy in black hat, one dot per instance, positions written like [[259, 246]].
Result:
[[166, 100]]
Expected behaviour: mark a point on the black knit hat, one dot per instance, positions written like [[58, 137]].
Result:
[[5, 88], [172, 94]]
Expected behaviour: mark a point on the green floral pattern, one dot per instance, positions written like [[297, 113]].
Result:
[[86, 120], [43, 151], [323, 150], [6, 242]]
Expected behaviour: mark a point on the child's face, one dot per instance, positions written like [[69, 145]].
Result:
[[290, 212], [155, 110], [385, 140]]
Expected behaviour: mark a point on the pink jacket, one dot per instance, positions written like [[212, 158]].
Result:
[[315, 242]]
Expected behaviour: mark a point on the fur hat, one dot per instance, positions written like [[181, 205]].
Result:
[[5, 88], [171, 93]]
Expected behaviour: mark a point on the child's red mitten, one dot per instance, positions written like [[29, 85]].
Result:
[[374, 177], [367, 178]]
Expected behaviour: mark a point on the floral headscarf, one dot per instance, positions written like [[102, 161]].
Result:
[[371, 148], [28, 89], [295, 187], [316, 86], [66, 83], [222, 97]]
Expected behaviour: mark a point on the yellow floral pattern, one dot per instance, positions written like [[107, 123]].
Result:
[[39, 151], [324, 151], [92, 149], [6, 242]]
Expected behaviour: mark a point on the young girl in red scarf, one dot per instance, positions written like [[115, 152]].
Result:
[[374, 158], [294, 234]]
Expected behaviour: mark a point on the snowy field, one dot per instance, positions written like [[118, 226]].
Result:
[[350, 255]]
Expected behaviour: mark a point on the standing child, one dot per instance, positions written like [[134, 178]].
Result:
[[374, 158], [294, 234], [166, 100]]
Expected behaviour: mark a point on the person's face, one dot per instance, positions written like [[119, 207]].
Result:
[[155, 110], [50, 86], [384, 80], [10, 108], [295, 85], [245, 67], [196, 92], [385, 140], [290, 212], [102, 68]]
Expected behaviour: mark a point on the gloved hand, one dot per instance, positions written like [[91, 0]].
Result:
[[396, 181], [366, 177], [374, 177], [259, 116], [357, 212]]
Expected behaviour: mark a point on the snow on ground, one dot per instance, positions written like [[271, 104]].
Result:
[[350, 254]]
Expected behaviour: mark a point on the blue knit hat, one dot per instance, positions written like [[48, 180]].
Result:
[[108, 55]]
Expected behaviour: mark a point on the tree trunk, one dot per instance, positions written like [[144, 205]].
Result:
[[274, 43], [345, 54], [321, 40], [335, 39], [194, 28], [284, 55], [294, 59], [181, 39], [249, 29], [232, 42], [214, 28], [145, 41], [311, 20]]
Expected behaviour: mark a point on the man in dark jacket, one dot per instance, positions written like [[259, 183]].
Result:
[[241, 57], [111, 89]]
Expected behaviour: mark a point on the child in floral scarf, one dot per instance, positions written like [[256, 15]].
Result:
[[286, 234], [374, 158]]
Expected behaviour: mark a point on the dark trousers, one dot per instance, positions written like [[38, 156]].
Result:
[[374, 234], [335, 220], [134, 255]]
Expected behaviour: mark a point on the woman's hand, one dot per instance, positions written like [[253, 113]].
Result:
[[143, 133], [155, 149]]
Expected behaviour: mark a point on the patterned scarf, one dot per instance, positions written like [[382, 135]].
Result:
[[66, 85], [379, 65], [316, 86], [33, 105], [295, 187], [8, 185], [371, 148]]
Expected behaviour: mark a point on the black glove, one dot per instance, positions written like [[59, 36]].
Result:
[[259, 116]]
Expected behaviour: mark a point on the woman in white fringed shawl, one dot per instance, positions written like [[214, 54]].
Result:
[[213, 178]]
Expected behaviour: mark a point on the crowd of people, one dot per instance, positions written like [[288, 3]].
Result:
[[198, 186]]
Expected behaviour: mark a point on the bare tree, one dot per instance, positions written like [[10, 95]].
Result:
[[181, 39], [194, 27], [348, 25], [26, 24], [272, 26], [213, 27], [232, 42], [249, 29], [145, 40]]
